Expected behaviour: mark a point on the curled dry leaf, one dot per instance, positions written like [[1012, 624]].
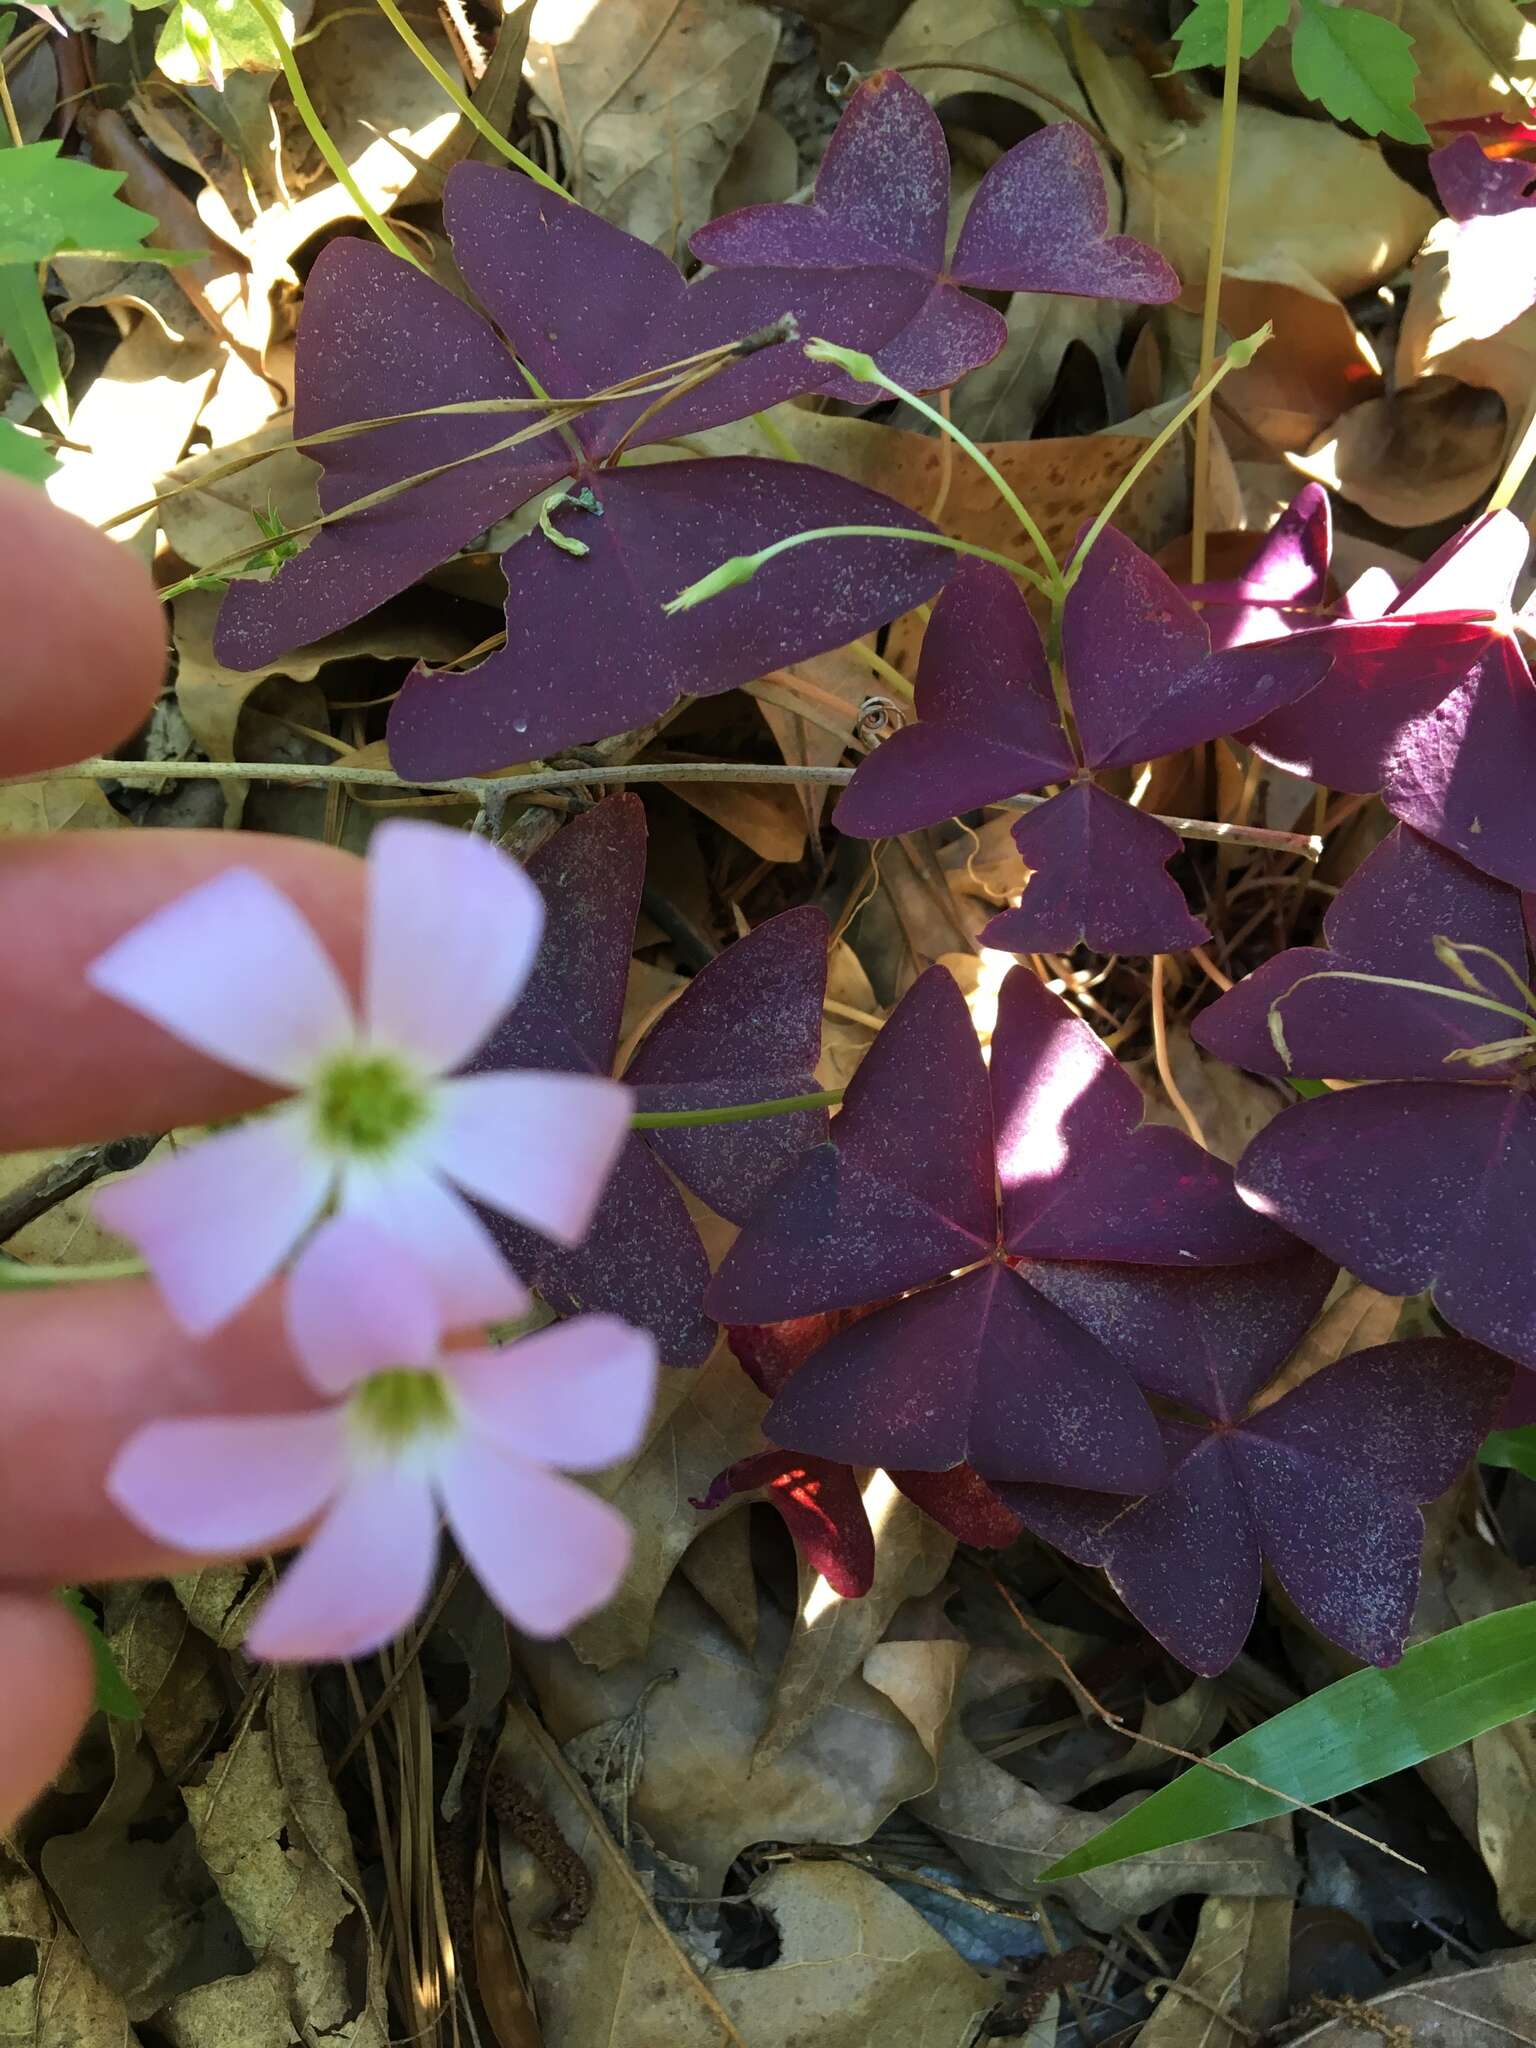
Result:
[[1239, 1966], [1170, 172], [650, 108], [59, 2001], [703, 1794], [1486, 2008]]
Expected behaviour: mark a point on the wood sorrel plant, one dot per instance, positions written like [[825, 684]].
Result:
[[990, 1278]]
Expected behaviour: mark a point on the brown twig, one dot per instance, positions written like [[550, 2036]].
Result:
[[1171, 1088], [62, 1178]]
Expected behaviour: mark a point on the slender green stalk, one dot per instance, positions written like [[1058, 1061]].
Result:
[[15, 1274], [1238, 356], [868, 371], [463, 102], [882, 667], [776, 437], [320, 136], [1226, 153], [735, 1113], [742, 568]]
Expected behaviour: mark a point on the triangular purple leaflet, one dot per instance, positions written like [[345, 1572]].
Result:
[[642, 1258], [1099, 877], [1325, 1484], [979, 1371], [987, 723], [1286, 579], [1038, 222], [746, 1029], [1384, 922], [1473, 185], [377, 338], [1082, 1176], [1413, 1185], [589, 649], [891, 1202]]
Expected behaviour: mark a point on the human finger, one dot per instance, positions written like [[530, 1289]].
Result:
[[84, 650], [45, 1695]]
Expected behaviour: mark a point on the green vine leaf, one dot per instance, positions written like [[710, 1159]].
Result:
[[24, 455], [1360, 67], [50, 203], [114, 1695]]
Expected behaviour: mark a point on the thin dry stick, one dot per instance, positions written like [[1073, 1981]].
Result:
[[1208, 967], [1207, 1763], [1211, 313], [1171, 1088], [7, 107], [100, 767]]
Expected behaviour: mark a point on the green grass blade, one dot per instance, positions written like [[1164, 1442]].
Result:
[[28, 333], [1444, 1692]]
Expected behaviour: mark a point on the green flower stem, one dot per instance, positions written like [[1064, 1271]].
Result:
[[1238, 357], [462, 101], [868, 371], [15, 1274], [1226, 153], [742, 568], [776, 437], [734, 1113], [321, 138]]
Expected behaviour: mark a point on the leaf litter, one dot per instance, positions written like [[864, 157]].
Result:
[[764, 1805]]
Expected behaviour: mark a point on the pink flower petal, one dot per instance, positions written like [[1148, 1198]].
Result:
[[355, 1306], [212, 1484], [215, 1222], [364, 1574], [578, 1395], [416, 1207], [546, 1550], [453, 927], [539, 1147], [233, 969]]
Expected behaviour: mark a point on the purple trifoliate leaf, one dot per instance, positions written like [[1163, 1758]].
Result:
[[902, 1193], [586, 305], [1081, 1176], [746, 1029], [980, 1371], [1286, 580], [590, 650], [987, 724], [378, 338], [1414, 1185], [1038, 222], [1384, 923], [1099, 877], [1140, 673]]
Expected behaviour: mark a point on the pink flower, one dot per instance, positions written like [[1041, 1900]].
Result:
[[470, 1433], [377, 1127]]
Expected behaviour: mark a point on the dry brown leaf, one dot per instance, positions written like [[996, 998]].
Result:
[[209, 523], [1191, 1720], [764, 168], [832, 1636], [169, 1667], [1170, 173], [703, 1795], [850, 1019], [767, 818], [273, 1835], [718, 1566], [812, 710], [921, 1678], [60, 2002], [1006, 1833], [651, 104], [913, 918], [1486, 2008], [1422, 455], [1489, 1786], [622, 1980], [1239, 1966], [857, 1966], [1453, 327], [1356, 1319], [705, 1420]]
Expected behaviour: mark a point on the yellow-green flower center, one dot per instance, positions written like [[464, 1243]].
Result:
[[398, 1407], [365, 1103]]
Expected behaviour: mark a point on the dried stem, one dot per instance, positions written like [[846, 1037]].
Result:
[[1171, 1088]]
